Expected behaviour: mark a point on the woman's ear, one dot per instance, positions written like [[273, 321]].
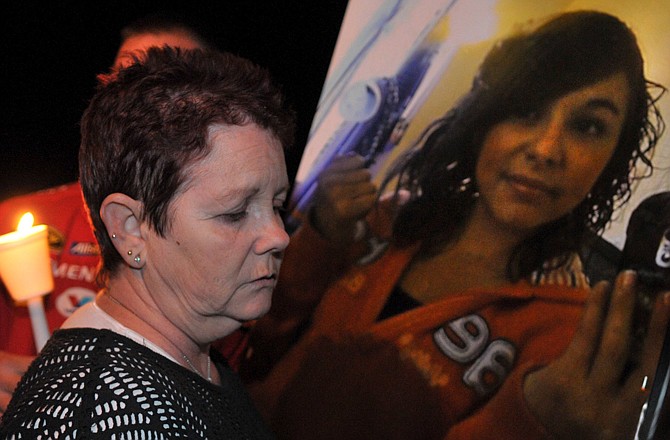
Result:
[[121, 215]]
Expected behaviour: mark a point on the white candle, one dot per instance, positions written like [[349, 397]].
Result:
[[25, 268]]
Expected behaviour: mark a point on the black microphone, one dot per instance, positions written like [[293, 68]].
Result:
[[647, 251]]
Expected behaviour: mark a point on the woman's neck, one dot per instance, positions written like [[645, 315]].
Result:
[[135, 311], [487, 241], [477, 257]]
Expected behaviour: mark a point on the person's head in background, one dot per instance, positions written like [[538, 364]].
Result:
[[155, 30], [520, 79]]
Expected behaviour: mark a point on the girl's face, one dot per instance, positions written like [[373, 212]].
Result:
[[536, 168]]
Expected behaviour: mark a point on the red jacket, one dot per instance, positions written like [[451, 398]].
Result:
[[473, 349]]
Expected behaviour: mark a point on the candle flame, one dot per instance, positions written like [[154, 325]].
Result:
[[26, 222]]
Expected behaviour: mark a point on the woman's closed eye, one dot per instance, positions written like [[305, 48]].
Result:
[[280, 209], [234, 217], [279, 203]]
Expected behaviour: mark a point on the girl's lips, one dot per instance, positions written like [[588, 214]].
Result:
[[531, 187]]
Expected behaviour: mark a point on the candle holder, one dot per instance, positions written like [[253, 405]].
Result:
[[25, 268]]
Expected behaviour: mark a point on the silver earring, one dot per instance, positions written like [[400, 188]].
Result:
[[113, 235], [137, 259]]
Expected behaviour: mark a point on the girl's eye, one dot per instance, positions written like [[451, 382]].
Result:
[[589, 126]]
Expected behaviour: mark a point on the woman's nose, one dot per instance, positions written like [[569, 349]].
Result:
[[547, 145], [273, 237]]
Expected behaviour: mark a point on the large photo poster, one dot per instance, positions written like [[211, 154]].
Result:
[[399, 64]]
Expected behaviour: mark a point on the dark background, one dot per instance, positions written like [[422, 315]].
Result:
[[51, 52]]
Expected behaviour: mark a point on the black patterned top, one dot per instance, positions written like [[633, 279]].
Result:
[[96, 384]]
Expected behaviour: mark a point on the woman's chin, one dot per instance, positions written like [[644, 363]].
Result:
[[253, 308]]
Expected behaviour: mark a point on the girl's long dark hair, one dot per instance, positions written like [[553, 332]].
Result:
[[520, 75]]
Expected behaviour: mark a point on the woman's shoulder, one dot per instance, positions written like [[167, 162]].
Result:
[[75, 345], [90, 356], [68, 375], [78, 358], [86, 342]]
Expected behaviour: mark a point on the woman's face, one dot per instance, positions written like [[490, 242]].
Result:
[[218, 263], [536, 168]]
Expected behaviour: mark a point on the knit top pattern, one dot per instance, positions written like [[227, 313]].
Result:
[[96, 384]]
